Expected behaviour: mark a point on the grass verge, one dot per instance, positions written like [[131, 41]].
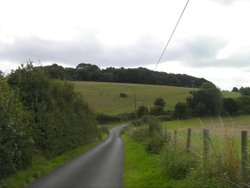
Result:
[[141, 168], [44, 167]]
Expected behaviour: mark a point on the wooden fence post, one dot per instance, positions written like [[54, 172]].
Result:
[[188, 139], [206, 143], [244, 158]]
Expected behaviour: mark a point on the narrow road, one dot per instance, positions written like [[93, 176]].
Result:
[[101, 167]]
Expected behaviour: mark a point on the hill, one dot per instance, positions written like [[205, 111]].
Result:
[[105, 97]]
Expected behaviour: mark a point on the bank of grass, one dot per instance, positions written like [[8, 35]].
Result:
[[140, 168], [42, 167]]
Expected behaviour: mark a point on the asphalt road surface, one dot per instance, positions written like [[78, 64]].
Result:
[[101, 167]]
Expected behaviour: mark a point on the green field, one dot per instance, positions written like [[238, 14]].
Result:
[[104, 97]]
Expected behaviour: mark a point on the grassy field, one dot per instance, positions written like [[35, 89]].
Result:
[[231, 126], [161, 170], [104, 97]]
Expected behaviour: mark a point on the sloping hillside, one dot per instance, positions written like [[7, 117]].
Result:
[[105, 97]]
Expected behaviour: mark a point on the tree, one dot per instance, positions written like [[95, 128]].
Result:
[[235, 89], [158, 108], [230, 105], [1, 74], [245, 91], [160, 102], [207, 101], [181, 110], [141, 111], [15, 144], [59, 119]]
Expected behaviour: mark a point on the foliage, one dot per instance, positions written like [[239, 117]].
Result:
[[181, 110], [15, 143], [142, 111], [123, 95], [104, 119], [235, 89], [59, 118], [243, 103], [205, 102], [89, 72], [245, 91], [1, 74], [177, 163], [230, 105], [160, 102]]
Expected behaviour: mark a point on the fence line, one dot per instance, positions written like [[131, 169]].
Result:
[[206, 151]]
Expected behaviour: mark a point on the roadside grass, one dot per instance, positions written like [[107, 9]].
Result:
[[140, 168], [175, 167], [41, 166]]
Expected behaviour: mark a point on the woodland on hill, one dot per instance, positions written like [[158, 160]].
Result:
[[89, 72]]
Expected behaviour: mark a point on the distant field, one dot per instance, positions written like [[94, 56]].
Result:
[[217, 125], [104, 97]]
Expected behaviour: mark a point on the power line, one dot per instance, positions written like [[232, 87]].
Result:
[[171, 34]]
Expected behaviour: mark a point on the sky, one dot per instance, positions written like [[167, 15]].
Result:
[[212, 40]]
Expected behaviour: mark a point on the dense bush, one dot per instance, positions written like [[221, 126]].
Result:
[[59, 118], [156, 137], [123, 95], [178, 163], [142, 111], [181, 110], [206, 102], [15, 143], [230, 106], [104, 119]]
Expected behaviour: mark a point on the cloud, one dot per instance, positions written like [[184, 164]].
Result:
[[226, 2], [202, 51], [196, 52], [144, 51]]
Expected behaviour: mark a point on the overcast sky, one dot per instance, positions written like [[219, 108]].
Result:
[[211, 41]]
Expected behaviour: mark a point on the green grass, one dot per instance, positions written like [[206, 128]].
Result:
[[104, 97], [141, 168], [228, 94], [223, 167], [42, 167], [242, 122]]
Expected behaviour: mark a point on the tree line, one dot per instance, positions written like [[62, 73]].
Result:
[[89, 72], [40, 116], [207, 101]]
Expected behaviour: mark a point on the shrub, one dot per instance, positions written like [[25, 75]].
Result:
[[15, 144], [123, 95], [156, 138], [141, 111], [104, 119], [177, 163], [181, 110]]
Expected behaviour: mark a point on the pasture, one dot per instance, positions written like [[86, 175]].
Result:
[[105, 97]]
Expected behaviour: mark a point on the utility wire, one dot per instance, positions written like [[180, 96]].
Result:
[[171, 34]]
